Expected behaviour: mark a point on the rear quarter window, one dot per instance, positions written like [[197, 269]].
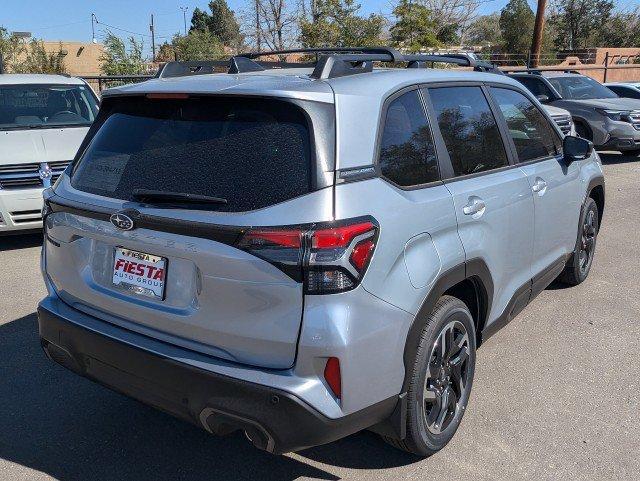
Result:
[[252, 152]]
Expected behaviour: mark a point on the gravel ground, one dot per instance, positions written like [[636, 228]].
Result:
[[555, 394]]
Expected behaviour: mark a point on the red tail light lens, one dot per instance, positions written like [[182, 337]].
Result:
[[327, 260], [333, 377], [282, 248]]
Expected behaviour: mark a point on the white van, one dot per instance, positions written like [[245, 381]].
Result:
[[43, 119]]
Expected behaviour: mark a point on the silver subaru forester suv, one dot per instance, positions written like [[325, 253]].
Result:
[[303, 252]]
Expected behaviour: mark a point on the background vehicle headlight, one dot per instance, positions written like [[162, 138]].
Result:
[[619, 115]]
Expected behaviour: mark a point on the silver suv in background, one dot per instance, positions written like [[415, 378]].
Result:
[[610, 122], [302, 253], [43, 119]]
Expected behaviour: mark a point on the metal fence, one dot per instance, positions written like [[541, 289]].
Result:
[[612, 68], [101, 82]]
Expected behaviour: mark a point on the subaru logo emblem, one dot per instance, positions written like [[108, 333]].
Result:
[[121, 221]]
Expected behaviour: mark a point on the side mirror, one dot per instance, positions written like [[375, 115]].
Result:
[[576, 148], [543, 98]]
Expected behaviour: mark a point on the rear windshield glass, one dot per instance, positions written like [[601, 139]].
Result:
[[251, 152], [46, 106]]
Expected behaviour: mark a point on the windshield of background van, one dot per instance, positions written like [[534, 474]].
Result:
[[252, 152], [46, 106]]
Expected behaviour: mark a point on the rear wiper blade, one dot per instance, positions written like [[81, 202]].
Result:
[[161, 196]]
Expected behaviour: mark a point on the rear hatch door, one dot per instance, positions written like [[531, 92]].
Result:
[[126, 244]]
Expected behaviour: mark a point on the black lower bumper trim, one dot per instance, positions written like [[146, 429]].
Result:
[[273, 420]]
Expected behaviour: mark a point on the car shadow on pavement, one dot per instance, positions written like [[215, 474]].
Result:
[[72, 429], [609, 158], [20, 241]]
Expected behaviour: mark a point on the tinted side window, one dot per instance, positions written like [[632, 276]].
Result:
[[407, 153], [469, 129], [535, 86], [531, 132], [627, 92]]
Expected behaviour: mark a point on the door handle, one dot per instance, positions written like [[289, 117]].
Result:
[[539, 186], [476, 206]]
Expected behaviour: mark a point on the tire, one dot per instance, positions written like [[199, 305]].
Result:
[[579, 264], [439, 375]]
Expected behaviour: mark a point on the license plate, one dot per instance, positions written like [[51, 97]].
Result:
[[140, 272]]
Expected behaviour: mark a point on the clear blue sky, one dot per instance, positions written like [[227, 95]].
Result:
[[70, 19]]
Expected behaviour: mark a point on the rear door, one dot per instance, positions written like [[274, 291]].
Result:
[[194, 274], [554, 183], [493, 201]]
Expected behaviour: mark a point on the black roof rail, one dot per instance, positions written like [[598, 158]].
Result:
[[192, 67], [392, 52], [329, 62], [532, 71]]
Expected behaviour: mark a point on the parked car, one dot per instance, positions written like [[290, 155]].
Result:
[[610, 122], [43, 119], [630, 90], [562, 118], [303, 253]]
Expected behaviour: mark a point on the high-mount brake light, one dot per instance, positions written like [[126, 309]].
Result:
[[168, 96], [326, 259]]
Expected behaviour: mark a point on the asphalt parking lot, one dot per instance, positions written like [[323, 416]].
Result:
[[556, 393]]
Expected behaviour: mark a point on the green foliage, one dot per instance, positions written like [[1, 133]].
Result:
[[38, 60], [622, 30], [448, 34], [581, 23], [10, 48], [20, 56], [414, 29], [485, 31], [118, 60], [197, 45], [516, 26], [337, 24], [221, 23]]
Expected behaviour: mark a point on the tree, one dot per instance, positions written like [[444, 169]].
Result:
[[451, 16], [516, 26], [197, 45], [580, 23], [221, 23], [415, 28], [38, 60], [118, 60], [21, 56], [484, 30], [11, 47], [337, 24], [622, 30]]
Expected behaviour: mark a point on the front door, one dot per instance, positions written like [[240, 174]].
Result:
[[493, 199], [553, 182]]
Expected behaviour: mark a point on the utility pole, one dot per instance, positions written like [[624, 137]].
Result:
[[536, 44], [258, 24], [93, 28], [153, 39], [184, 17]]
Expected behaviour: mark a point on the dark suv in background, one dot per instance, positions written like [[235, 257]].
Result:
[[610, 122]]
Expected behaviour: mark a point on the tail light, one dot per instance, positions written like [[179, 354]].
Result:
[[327, 259]]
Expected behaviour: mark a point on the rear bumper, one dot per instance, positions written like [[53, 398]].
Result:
[[20, 210], [274, 420]]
